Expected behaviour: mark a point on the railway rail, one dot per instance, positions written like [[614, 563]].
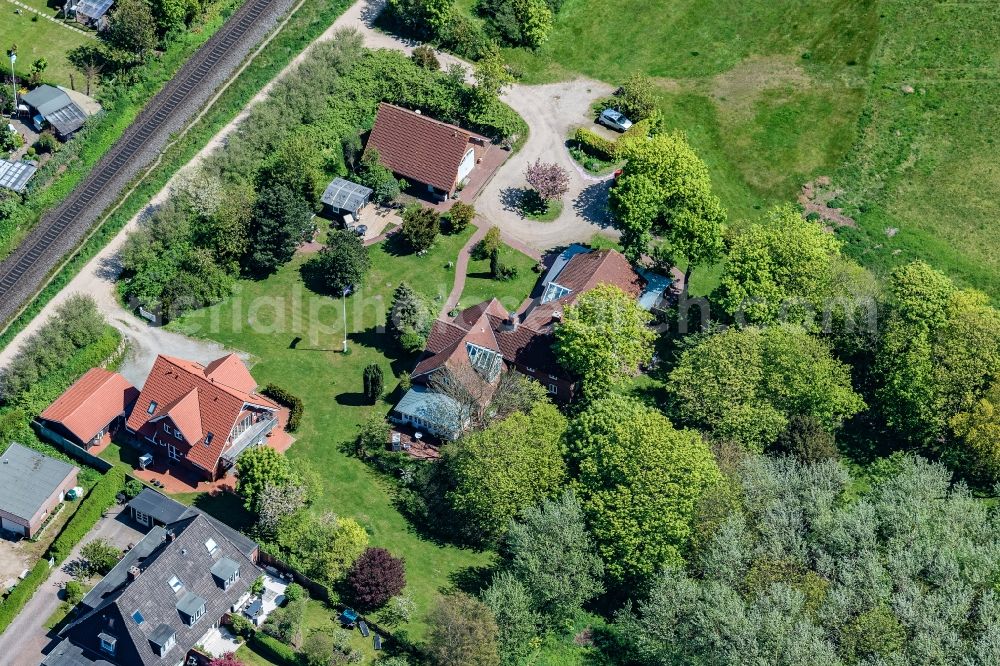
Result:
[[60, 231]]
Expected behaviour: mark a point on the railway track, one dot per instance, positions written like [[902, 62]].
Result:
[[60, 231]]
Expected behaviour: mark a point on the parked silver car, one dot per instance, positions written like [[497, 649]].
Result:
[[614, 120]]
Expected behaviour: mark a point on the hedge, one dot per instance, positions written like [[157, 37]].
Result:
[[93, 506], [271, 649], [284, 397], [15, 601], [595, 144]]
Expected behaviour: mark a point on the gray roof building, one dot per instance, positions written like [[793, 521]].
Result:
[[161, 510], [343, 195], [31, 483], [160, 603], [56, 107], [15, 175]]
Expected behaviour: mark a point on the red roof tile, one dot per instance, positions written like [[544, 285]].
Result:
[[91, 403], [197, 401], [421, 148]]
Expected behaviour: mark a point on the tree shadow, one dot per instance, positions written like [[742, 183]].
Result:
[[592, 204], [512, 199], [349, 399], [471, 580], [397, 246]]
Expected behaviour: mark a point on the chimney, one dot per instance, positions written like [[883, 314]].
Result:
[[557, 315], [511, 322], [133, 573], [170, 537]]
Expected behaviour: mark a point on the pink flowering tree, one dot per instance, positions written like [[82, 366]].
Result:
[[549, 180]]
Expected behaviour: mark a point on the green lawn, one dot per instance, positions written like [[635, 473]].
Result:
[[479, 286], [39, 39], [265, 318], [925, 163]]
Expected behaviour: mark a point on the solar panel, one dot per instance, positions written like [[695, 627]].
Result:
[[93, 8]]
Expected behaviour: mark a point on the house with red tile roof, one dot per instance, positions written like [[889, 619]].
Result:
[[92, 408], [424, 150], [201, 416], [490, 340]]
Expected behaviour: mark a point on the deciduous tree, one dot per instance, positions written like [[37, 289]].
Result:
[[517, 620], [549, 180], [603, 338], [664, 189], [507, 467], [744, 385], [101, 556], [323, 546], [131, 31], [460, 216], [375, 578], [341, 265], [780, 269], [462, 632], [637, 97], [640, 481], [258, 468]]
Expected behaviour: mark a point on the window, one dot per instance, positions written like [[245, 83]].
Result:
[[198, 614], [172, 452], [175, 583], [137, 616], [168, 644], [166, 427], [107, 643], [553, 389], [554, 292], [152, 407], [211, 546], [486, 361]]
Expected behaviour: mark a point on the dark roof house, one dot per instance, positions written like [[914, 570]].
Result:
[[31, 485], [160, 602], [422, 149], [488, 338], [205, 416], [90, 407], [54, 106]]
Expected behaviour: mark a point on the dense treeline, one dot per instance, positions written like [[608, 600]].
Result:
[[247, 209]]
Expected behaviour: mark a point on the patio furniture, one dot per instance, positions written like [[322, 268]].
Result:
[[363, 628], [396, 441], [377, 642]]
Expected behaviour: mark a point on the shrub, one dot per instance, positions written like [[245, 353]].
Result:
[[294, 592], [340, 266], [74, 592], [412, 341], [807, 440], [242, 626], [375, 578], [421, 227], [595, 144], [286, 399], [465, 37], [133, 487], [490, 244], [637, 97], [19, 596], [460, 216], [285, 623], [101, 556], [424, 57], [47, 143]]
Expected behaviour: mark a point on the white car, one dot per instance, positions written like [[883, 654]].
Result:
[[614, 120]]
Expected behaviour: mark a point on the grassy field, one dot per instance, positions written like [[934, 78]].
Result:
[[925, 162], [265, 317], [38, 39], [767, 92]]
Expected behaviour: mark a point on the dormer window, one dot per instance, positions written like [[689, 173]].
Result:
[[554, 292], [108, 643], [208, 439], [176, 584], [152, 407]]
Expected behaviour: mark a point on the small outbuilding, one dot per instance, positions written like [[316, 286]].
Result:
[[31, 486], [52, 106], [342, 198], [14, 176], [95, 406], [93, 13]]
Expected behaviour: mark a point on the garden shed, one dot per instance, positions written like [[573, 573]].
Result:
[[342, 197]]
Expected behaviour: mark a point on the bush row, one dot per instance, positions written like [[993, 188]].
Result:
[[293, 402], [100, 499], [271, 649], [15, 601], [595, 144]]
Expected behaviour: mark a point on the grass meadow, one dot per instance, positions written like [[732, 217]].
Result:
[[37, 37]]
